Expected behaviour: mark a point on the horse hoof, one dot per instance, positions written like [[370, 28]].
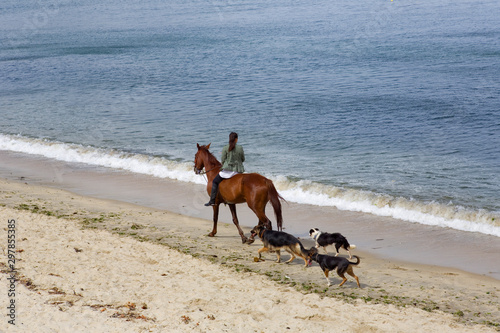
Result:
[[244, 240], [250, 241], [211, 234]]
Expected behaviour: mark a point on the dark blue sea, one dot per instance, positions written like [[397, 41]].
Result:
[[386, 107]]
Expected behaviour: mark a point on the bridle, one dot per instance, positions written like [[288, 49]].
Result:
[[203, 173]]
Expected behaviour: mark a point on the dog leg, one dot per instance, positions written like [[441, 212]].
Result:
[[351, 273], [278, 254], [344, 279], [350, 256], [306, 262], [326, 251], [337, 247], [326, 271], [264, 249], [292, 258]]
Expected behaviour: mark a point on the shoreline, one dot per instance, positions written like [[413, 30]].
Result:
[[384, 237], [401, 289]]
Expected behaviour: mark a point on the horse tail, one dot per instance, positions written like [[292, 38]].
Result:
[[275, 198]]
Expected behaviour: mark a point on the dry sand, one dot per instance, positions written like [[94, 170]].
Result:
[[91, 265]]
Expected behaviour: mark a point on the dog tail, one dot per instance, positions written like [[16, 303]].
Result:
[[275, 198], [357, 261], [303, 250], [304, 253]]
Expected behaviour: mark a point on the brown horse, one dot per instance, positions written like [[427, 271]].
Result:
[[252, 188]]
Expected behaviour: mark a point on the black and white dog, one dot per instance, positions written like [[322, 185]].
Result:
[[324, 239]]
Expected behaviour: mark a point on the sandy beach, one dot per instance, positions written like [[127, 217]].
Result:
[[376, 120], [86, 264]]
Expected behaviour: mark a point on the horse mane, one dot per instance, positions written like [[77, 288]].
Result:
[[211, 158]]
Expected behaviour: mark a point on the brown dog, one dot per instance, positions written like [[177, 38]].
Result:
[[279, 240], [329, 263]]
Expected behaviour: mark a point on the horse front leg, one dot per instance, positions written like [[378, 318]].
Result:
[[215, 218], [232, 207]]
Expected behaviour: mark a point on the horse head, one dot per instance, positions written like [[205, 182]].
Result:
[[200, 157]]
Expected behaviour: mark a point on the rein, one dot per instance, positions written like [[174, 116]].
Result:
[[203, 173], [206, 171]]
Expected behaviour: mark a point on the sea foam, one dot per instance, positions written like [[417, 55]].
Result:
[[448, 216], [74, 153]]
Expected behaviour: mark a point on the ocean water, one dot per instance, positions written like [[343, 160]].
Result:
[[385, 107]]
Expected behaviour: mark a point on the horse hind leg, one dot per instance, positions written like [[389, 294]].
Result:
[[264, 221], [232, 207], [258, 207], [268, 224]]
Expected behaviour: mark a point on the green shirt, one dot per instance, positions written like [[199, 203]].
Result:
[[233, 160]]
